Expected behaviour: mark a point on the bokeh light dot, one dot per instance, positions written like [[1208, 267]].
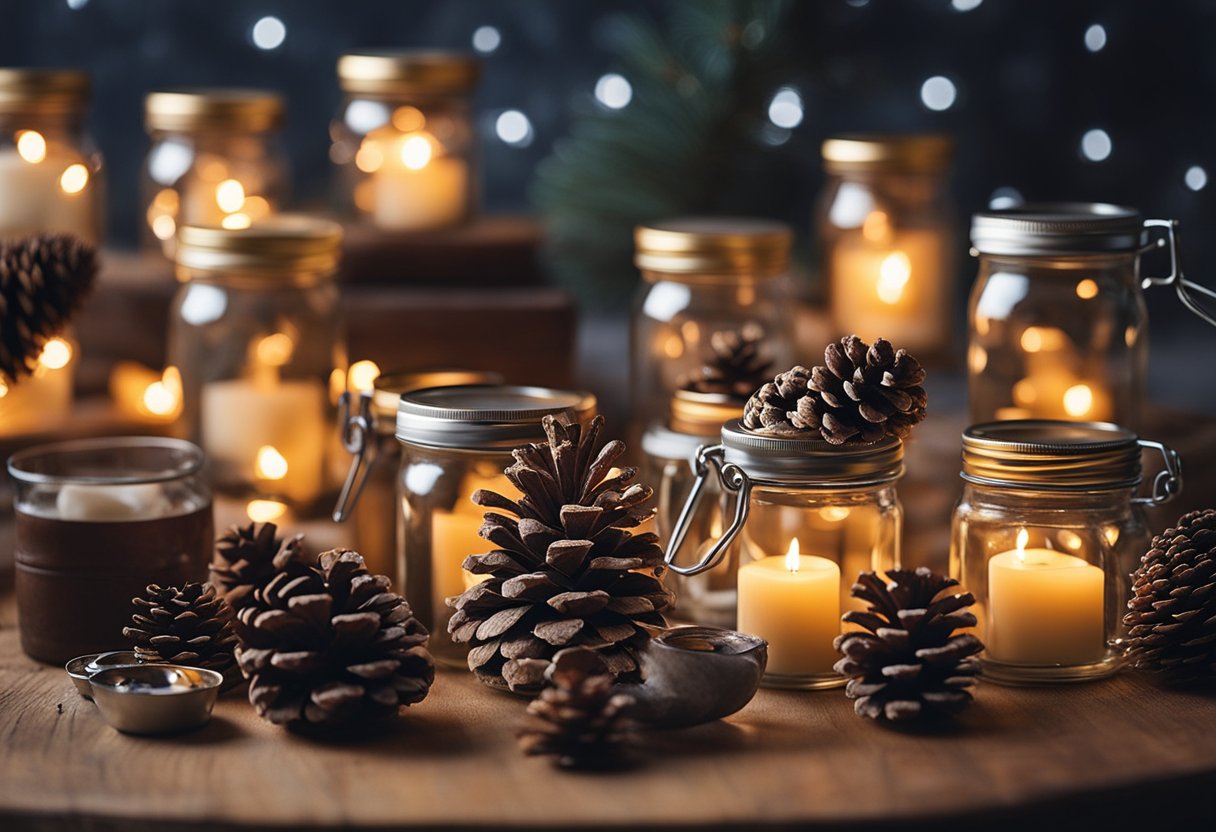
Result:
[[1096, 145], [1196, 178], [785, 110], [514, 128], [1004, 198], [613, 91], [938, 93], [486, 39], [1095, 37], [269, 33], [965, 5]]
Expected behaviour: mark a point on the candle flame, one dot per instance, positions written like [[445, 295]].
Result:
[[416, 151], [270, 464], [792, 560], [1078, 400], [265, 511], [1022, 540], [893, 276]]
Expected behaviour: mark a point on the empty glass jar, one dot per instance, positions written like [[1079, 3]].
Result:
[[1058, 324], [214, 160], [802, 518], [404, 141], [1046, 536], [702, 276], [885, 223], [256, 333], [50, 169], [454, 441]]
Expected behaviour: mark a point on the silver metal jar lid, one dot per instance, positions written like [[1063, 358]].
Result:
[[389, 387], [1057, 228], [485, 416], [1051, 454], [809, 462]]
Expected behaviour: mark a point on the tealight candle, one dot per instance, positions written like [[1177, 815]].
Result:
[[793, 602], [416, 188]]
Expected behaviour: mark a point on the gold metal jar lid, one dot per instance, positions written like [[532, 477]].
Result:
[[1053, 455], [43, 90], [714, 246], [389, 388], [811, 463], [282, 246], [236, 110], [908, 153], [408, 71], [703, 414], [485, 416]]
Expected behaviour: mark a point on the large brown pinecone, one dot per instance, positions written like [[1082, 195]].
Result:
[[43, 280], [247, 557], [331, 643], [577, 718], [735, 366], [191, 626], [567, 572], [863, 394], [911, 662], [1172, 616]]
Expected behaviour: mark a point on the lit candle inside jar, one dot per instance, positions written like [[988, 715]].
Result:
[[1044, 608], [42, 399], [793, 602], [45, 187], [414, 184]]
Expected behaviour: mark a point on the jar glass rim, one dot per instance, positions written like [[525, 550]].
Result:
[[181, 459]]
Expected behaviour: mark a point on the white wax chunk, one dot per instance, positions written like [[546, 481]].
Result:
[[111, 502]]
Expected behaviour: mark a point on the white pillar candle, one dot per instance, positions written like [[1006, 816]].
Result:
[[33, 198], [416, 189]]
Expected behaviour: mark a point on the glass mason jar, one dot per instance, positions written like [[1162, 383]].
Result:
[[404, 140], [1046, 536], [50, 169], [802, 519], [214, 161], [256, 333], [97, 521], [455, 440], [668, 451], [1058, 325], [368, 427], [885, 224], [702, 276]]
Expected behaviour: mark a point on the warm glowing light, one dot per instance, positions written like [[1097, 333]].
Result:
[[31, 146], [1078, 400], [369, 157], [982, 324], [56, 353], [166, 200], [3, 388], [159, 400], [1087, 289], [230, 196], [275, 350], [1024, 393], [270, 464], [673, 346], [212, 168], [893, 276], [256, 207], [416, 152], [74, 179], [1022, 540], [745, 294], [265, 511], [408, 119], [1130, 336], [834, 514], [236, 222], [691, 331], [792, 560], [876, 227], [363, 375], [337, 384], [1043, 339], [1071, 540], [978, 358], [164, 227]]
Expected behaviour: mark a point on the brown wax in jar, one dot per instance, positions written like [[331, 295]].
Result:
[[75, 578]]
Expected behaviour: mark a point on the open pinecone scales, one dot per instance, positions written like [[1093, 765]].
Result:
[[566, 571], [735, 366], [863, 394], [247, 557], [191, 626]]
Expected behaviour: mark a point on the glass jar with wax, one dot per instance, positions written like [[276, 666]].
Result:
[[885, 224], [214, 160], [97, 521], [700, 277], [1046, 536], [455, 441], [50, 169], [1058, 324], [404, 141], [802, 518], [256, 334]]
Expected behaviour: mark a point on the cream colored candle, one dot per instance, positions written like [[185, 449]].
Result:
[[891, 284], [44, 188], [793, 602], [415, 188], [41, 400], [1044, 608], [453, 538]]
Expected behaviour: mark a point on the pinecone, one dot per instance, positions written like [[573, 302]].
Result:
[[863, 394], [735, 366], [567, 572], [910, 663], [43, 280], [248, 557], [331, 644], [577, 718], [190, 626], [1172, 616]]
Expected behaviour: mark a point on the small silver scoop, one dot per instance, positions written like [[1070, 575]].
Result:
[[155, 698], [82, 667]]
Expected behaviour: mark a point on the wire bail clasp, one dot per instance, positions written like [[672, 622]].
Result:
[[1167, 484], [1192, 295], [358, 426], [732, 478]]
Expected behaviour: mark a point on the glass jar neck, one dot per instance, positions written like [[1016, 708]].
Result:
[[902, 186], [1070, 500], [262, 281]]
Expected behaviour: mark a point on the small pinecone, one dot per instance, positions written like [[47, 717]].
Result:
[[331, 644], [191, 626], [248, 557], [43, 280], [1172, 616], [910, 663], [863, 394], [735, 366], [567, 571], [577, 718]]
